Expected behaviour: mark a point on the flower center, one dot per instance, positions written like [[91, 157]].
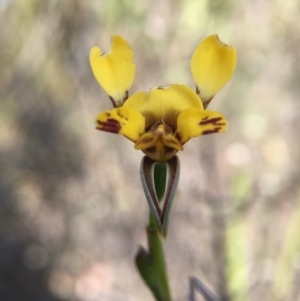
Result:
[[159, 143]]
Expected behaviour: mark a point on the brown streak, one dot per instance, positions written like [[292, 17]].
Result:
[[111, 125], [126, 95], [215, 130], [169, 149], [151, 150], [212, 121], [178, 137]]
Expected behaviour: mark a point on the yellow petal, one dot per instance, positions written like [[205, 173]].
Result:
[[194, 122], [115, 70], [125, 121], [212, 65], [137, 100], [164, 103]]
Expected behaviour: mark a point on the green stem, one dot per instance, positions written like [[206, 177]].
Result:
[[156, 251]]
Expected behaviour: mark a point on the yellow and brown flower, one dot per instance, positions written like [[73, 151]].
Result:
[[162, 120]]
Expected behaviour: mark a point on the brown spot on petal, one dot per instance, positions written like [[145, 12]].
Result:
[[169, 150], [213, 121], [111, 125], [151, 150], [126, 95], [163, 87], [215, 130], [178, 137]]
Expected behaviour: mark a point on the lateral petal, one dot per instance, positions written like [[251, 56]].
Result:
[[124, 121], [195, 122]]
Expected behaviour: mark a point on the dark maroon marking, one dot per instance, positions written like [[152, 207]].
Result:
[[126, 95], [178, 137], [151, 150], [205, 118], [113, 101], [111, 125], [197, 90], [213, 121], [169, 149], [215, 130]]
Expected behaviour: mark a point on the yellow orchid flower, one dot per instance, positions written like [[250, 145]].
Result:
[[162, 120]]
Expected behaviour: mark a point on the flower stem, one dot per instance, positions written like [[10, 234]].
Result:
[[157, 253]]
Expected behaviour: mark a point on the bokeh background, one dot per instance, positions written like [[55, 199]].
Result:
[[72, 212]]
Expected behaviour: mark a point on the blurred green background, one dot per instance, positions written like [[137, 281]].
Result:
[[72, 212]]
